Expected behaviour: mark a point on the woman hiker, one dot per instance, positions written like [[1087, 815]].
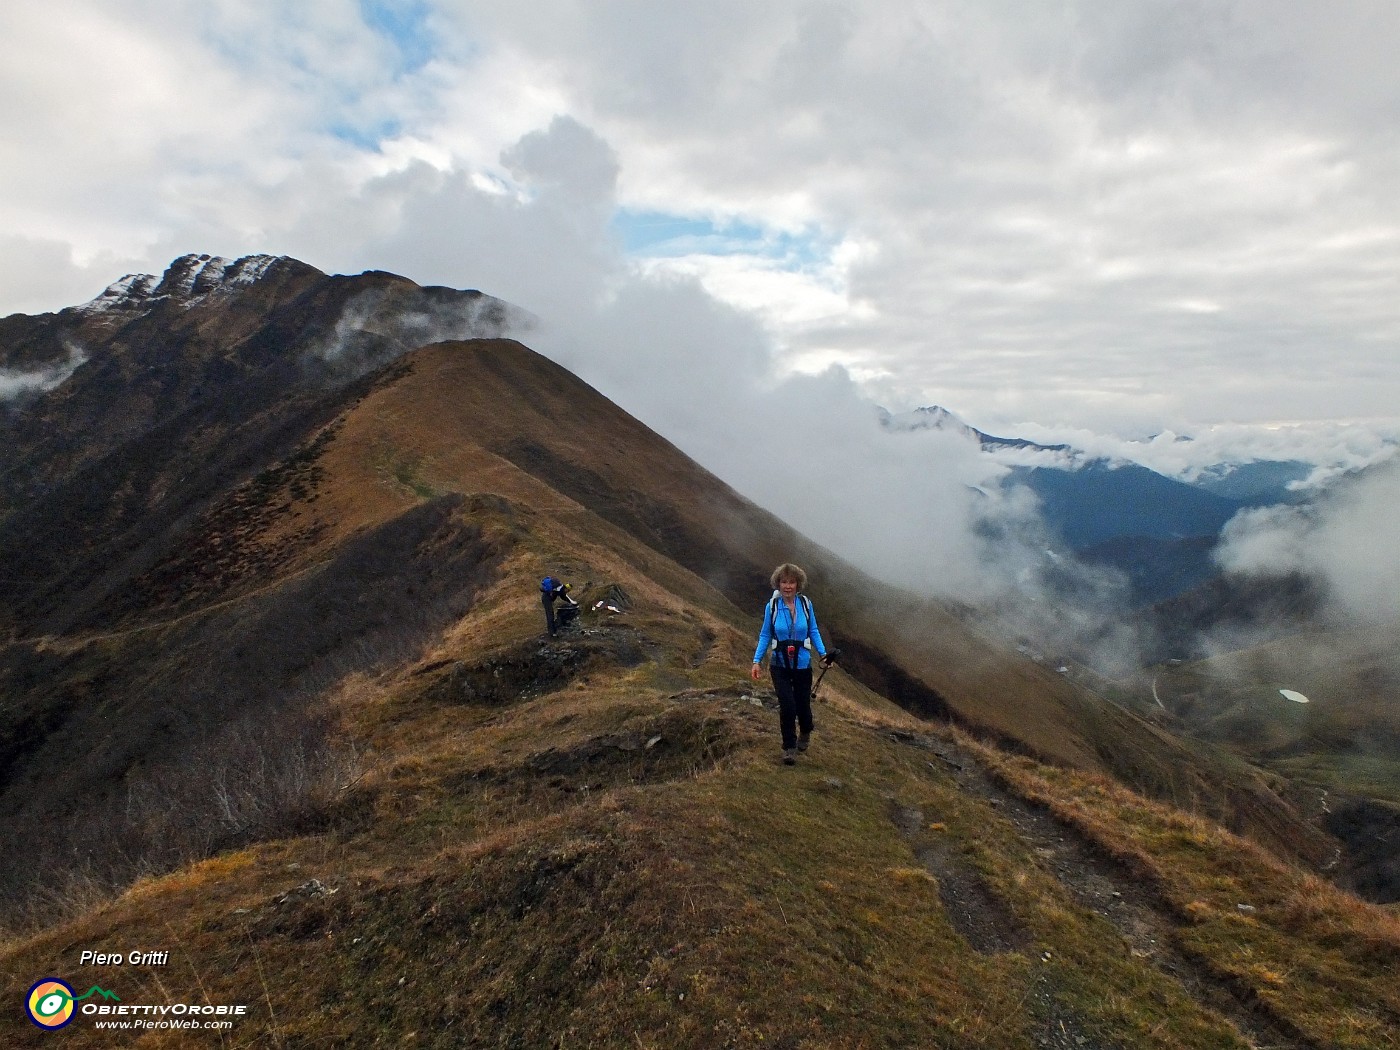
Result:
[[790, 633]]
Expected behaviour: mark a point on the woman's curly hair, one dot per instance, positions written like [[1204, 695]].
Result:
[[788, 571]]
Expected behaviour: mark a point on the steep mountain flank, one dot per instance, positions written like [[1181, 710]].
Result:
[[184, 390], [604, 461], [1339, 751], [291, 717], [197, 383]]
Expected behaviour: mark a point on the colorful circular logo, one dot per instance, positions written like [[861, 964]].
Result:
[[50, 1003]]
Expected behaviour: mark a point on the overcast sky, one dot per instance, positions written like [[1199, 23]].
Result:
[[1104, 218]]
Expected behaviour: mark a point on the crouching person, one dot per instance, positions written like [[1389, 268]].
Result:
[[561, 619]]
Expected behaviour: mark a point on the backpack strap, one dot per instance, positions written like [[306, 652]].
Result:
[[773, 618]]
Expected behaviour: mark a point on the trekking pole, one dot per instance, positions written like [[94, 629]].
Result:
[[830, 659]]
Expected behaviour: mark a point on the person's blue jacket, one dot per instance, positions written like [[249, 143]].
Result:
[[781, 624]]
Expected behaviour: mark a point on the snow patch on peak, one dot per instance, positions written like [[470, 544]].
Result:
[[193, 275], [131, 290], [187, 279], [250, 269]]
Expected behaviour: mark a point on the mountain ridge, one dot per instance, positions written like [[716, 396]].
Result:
[[317, 705], [943, 672], [188, 277]]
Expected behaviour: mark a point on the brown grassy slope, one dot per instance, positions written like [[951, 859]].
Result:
[[182, 396], [590, 450], [588, 842], [257, 602], [472, 410], [1340, 752], [1352, 678]]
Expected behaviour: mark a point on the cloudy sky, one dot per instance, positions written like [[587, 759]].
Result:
[[1108, 219]]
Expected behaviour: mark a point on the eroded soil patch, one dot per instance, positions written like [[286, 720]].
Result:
[[1100, 884], [979, 916], [537, 667], [677, 744]]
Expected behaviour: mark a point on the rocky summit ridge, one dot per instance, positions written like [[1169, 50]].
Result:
[[187, 278]]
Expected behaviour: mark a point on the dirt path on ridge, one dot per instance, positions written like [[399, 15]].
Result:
[[1096, 883]]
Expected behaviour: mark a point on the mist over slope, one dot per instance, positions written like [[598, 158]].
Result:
[[273, 363], [1350, 541], [284, 651]]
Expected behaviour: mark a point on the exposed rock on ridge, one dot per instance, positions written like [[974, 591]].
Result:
[[188, 278]]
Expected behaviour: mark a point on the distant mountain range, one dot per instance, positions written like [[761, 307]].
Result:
[[1157, 530], [1251, 483]]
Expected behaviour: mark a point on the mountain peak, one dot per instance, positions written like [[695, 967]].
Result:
[[931, 417], [936, 417], [188, 278]]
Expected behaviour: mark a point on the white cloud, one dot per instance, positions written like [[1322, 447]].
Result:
[[16, 384], [1094, 217], [1351, 541], [788, 298], [1114, 214], [1331, 448]]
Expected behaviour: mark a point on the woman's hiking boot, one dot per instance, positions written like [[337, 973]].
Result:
[[790, 756], [804, 741]]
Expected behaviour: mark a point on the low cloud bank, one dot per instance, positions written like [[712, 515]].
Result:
[[17, 384], [1332, 449], [921, 510], [1350, 541]]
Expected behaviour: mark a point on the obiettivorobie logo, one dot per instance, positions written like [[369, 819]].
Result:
[[51, 1002]]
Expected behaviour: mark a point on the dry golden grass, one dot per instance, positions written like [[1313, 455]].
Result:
[[674, 897], [590, 841], [1322, 959]]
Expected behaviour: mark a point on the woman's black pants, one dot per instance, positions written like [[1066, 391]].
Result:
[[794, 689]]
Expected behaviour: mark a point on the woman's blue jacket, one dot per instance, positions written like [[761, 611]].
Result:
[[782, 624]]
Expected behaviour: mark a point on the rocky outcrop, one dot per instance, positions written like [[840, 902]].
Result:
[[188, 278]]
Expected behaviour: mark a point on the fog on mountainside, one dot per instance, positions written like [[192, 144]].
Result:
[[17, 384], [1057, 558], [234, 392], [1349, 539]]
